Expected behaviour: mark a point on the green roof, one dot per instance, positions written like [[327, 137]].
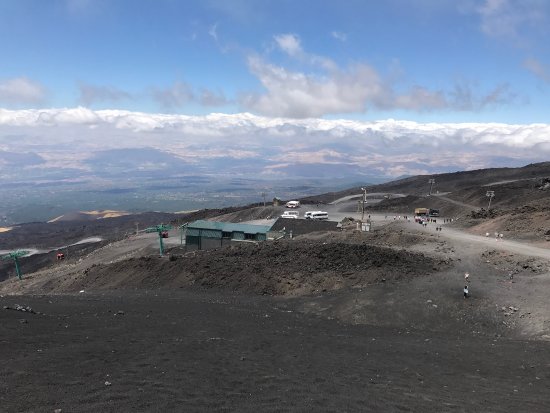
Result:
[[230, 227]]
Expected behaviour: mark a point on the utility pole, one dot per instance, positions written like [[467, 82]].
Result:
[[263, 196], [431, 181], [364, 202], [15, 257], [490, 194]]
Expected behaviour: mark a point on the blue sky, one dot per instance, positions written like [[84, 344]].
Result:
[[422, 60], [383, 88]]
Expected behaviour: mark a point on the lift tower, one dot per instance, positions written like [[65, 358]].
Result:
[[15, 257], [160, 229]]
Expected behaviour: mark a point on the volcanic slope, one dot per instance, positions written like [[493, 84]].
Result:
[[382, 277], [363, 322], [287, 267], [327, 321], [459, 192]]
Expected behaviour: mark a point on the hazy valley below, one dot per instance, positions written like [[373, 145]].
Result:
[[43, 201]]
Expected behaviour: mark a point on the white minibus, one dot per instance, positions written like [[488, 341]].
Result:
[[293, 204], [319, 215]]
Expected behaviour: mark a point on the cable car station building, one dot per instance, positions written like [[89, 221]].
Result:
[[200, 235]]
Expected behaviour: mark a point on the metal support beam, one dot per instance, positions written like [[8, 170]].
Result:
[[15, 257], [490, 194], [17, 271], [431, 181], [364, 202], [159, 229]]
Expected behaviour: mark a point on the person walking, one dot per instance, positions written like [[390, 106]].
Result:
[[467, 277], [466, 292]]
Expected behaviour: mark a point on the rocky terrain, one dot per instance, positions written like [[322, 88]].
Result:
[[285, 267]]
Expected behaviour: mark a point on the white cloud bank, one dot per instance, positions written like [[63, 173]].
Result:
[[390, 147]]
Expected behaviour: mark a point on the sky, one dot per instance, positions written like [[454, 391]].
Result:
[[401, 86]]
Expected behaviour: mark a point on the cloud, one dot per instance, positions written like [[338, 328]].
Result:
[[175, 96], [501, 94], [21, 90], [181, 94], [464, 97], [213, 31], [339, 36], [511, 18], [210, 98], [419, 99], [90, 94], [355, 89], [289, 43], [300, 95], [538, 69], [260, 145]]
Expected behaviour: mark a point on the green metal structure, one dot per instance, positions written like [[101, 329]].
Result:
[[159, 229], [15, 257]]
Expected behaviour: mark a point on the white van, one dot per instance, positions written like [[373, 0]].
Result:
[[316, 215], [319, 215], [290, 214], [293, 204], [307, 214]]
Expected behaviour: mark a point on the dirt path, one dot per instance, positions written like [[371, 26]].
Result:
[[488, 242], [33, 251], [370, 195], [513, 277], [452, 201], [135, 246]]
